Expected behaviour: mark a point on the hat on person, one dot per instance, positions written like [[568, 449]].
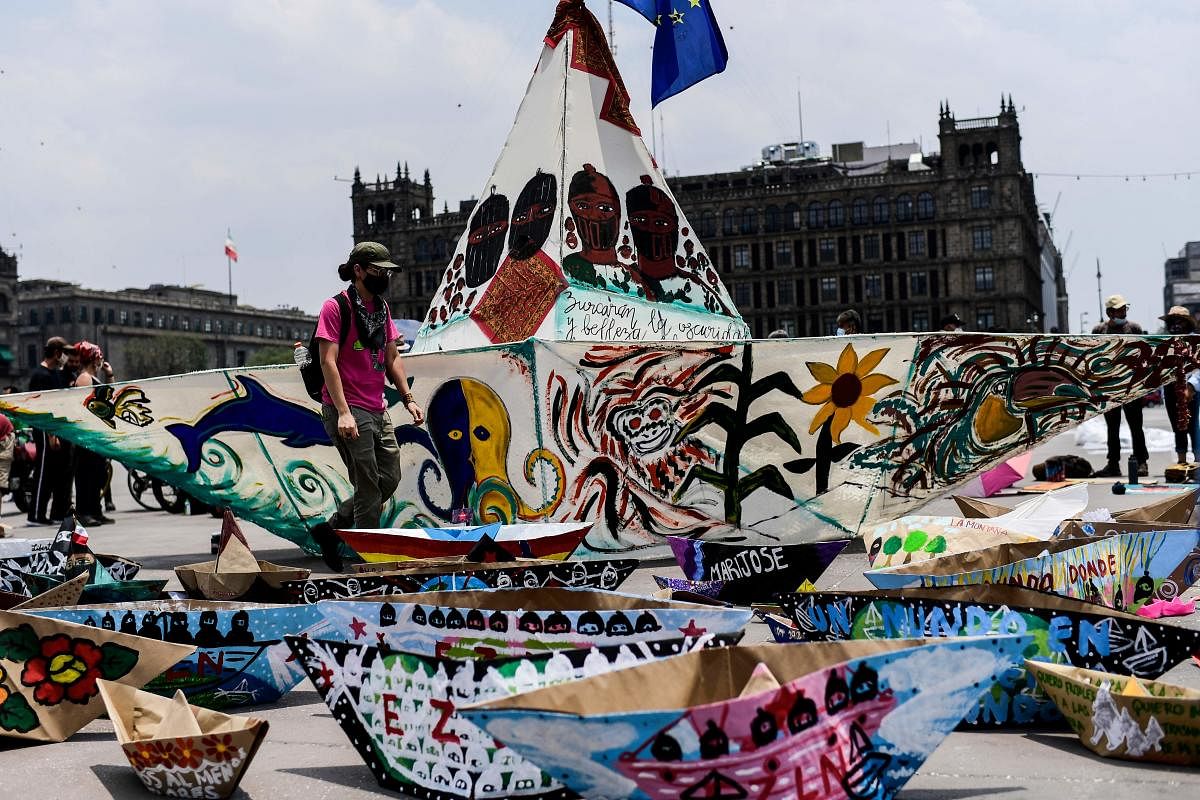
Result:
[[59, 343], [1179, 312], [371, 254], [88, 352], [1115, 301]]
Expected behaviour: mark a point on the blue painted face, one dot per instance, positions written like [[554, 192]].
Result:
[[449, 421]]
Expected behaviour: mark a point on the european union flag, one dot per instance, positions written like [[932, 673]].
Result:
[[688, 46]]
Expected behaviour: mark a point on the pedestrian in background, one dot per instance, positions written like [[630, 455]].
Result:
[[90, 469], [951, 323], [849, 323], [1180, 396], [1116, 308], [52, 474]]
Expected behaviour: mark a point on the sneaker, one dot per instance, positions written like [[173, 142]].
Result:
[[87, 521], [325, 537], [40, 521], [1109, 471]]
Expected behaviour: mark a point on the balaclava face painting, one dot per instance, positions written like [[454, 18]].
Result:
[[485, 242], [533, 216], [596, 210], [654, 225]]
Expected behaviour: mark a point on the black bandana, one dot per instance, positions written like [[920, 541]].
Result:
[[371, 325]]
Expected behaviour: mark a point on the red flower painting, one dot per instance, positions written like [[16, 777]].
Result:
[[187, 755], [220, 748], [63, 667]]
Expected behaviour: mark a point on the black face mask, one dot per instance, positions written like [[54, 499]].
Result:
[[376, 284]]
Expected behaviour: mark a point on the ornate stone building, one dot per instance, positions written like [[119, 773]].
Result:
[[1182, 279], [8, 317], [232, 333], [903, 237]]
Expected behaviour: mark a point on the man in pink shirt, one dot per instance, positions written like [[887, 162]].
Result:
[[352, 406]]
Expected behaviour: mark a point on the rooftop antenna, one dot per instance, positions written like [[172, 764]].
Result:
[[800, 112], [1099, 294]]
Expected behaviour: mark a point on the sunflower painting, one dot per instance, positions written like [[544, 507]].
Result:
[[845, 392]]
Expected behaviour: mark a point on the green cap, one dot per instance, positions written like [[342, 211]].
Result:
[[371, 254]]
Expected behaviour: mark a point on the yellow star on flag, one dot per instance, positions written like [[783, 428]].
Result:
[[695, 3], [677, 17]]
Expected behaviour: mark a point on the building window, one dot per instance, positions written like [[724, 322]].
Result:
[[858, 212], [33, 316], [873, 286], [916, 243], [186, 324], [220, 326], [50, 316], [985, 318], [162, 320], [981, 238], [258, 331], [871, 247], [829, 290], [123, 316], [881, 209], [741, 256], [729, 222], [774, 221], [708, 224], [783, 293], [137, 319], [111, 316], [837, 215], [749, 221], [816, 215], [920, 319], [918, 284], [66, 314], [83, 313], [239, 328], [828, 250], [904, 208], [981, 197], [985, 279], [742, 294], [783, 254], [788, 326], [925, 206], [791, 217]]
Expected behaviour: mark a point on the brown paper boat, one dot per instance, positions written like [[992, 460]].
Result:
[[66, 593], [181, 750], [1176, 509], [50, 669], [236, 574], [1116, 716]]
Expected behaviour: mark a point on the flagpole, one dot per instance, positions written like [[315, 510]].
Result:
[[229, 266]]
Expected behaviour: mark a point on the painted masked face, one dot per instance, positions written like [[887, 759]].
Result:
[[533, 215], [596, 210], [645, 427], [485, 242], [654, 225]]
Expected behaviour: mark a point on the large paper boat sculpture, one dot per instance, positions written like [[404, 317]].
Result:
[[1064, 631], [237, 655], [179, 750], [1176, 509], [1118, 716], [746, 574], [851, 719], [398, 709], [1123, 571], [517, 621], [436, 576], [236, 574], [49, 671], [548, 540], [637, 399]]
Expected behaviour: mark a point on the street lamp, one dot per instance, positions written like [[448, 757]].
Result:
[[1083, 315]]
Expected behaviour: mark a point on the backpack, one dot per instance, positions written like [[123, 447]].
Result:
[[314, 379]]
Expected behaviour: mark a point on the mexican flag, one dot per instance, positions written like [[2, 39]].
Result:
[[230, 248]]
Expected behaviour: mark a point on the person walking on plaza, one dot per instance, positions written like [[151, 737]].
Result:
[[52, 473], [90, 469], [8, 441], [849, 323], [1116, 308], [355, 356], [1180, 396]]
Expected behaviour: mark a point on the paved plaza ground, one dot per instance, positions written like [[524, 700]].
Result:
[[307, 756]]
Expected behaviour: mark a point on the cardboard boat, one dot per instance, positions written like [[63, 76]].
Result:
[[764, 721], [35, 556], [1122, 572], [180, 750], [500, 622], [710, 589], [423, 577], [236, 574], [398, 710], [612, 377], [49, 671], [750, 574], [1065, 631], [237, 657], [66, 593], [549, 540], [1117, 716], [1176, 510], [101, 585]]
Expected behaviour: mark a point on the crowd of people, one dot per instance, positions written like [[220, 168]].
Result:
[[67, 476]]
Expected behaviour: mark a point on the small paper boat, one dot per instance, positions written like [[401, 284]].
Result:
[[49, 671], [765, 721], [753, 573], [101, 586], [64, 594], [783, 630], [398, 709], [501, 622], [236, 574], [424, 577], [551, 540], [35, 556], [179, 750], [1116, 716], [1065, 631], [1176, 509], [1122, 572], [710, 589], [239, 659]]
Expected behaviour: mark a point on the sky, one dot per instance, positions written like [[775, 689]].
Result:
[[133, 133]]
